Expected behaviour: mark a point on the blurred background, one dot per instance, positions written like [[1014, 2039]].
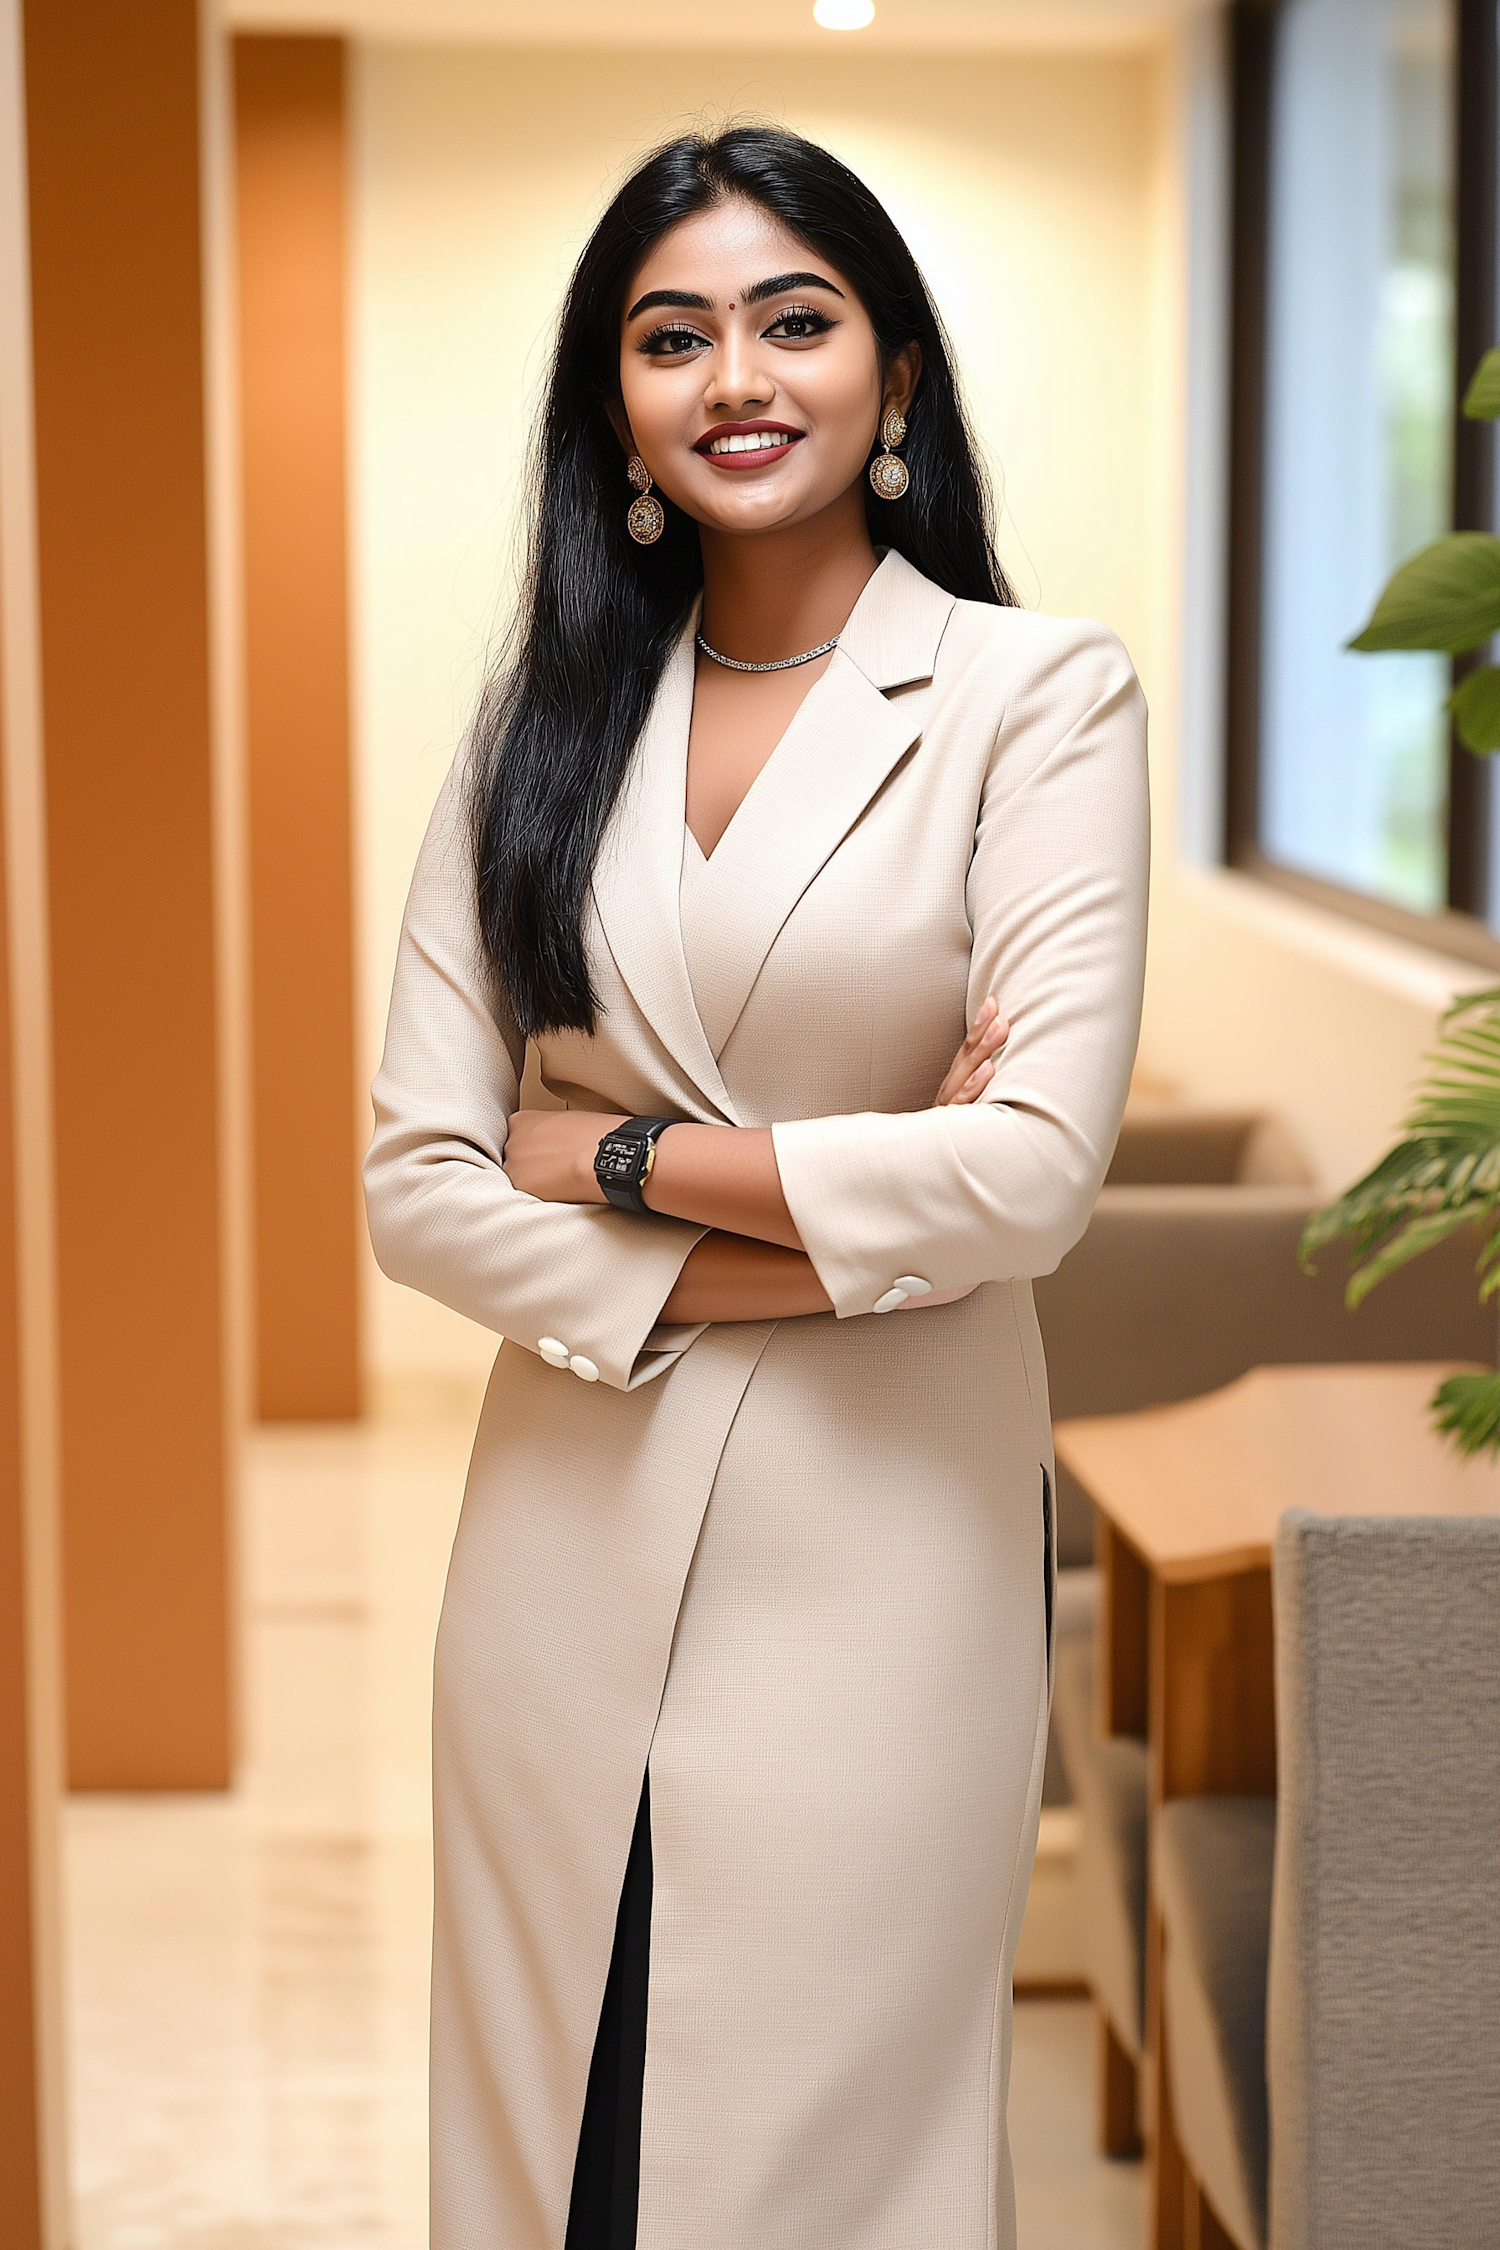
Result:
[[277, 280]]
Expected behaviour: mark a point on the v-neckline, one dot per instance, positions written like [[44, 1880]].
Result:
[[771, 757]]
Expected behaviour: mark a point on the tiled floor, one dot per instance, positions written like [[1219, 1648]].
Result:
[[249, 1974]]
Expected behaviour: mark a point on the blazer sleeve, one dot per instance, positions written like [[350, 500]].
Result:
[[444, 1217], [1057, 887]]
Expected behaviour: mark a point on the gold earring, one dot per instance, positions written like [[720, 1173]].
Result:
[[889, 475], [645, 519]]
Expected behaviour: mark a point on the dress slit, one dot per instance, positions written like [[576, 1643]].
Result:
[[607, 2171]]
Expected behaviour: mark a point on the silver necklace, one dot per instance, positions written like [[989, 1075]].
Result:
[[778, 664]]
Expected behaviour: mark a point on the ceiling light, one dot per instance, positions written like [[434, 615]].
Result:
[[844, 15]]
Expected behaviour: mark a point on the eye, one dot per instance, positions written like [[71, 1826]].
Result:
[[798, 324], [671, 342]]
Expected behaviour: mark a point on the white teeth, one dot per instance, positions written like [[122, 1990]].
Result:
[[758, 441]]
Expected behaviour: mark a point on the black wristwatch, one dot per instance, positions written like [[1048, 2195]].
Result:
[[623, 1160]]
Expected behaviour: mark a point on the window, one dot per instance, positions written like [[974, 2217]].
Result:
[[1364, 295]]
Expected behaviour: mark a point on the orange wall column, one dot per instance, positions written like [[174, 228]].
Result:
[[21, 2198], [291, 198], [113, 108], [33, 2192], [33, 2168]]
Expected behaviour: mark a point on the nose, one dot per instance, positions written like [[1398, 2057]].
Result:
[[739, 381]]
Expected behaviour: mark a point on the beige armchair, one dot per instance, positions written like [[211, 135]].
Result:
[[1174, 1291], [1187, 1278]]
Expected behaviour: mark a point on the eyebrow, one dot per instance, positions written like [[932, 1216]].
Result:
[[780, 281], [683, 300], [688, 300]]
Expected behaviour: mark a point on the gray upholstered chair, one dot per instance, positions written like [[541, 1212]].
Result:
[[1333, 2031], [1384, 2003]]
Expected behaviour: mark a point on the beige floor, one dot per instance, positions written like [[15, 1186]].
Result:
[[248, 1974]]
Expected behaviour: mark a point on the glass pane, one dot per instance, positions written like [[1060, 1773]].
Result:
[[1359, 407]]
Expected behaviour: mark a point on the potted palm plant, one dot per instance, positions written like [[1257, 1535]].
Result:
[[1444, 1172]]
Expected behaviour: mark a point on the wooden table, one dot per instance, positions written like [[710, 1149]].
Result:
[[1189, 1498]]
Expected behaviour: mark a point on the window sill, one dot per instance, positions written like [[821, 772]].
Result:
[[1279, 909]]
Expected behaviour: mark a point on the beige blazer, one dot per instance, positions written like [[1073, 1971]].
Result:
[[798, 1565]]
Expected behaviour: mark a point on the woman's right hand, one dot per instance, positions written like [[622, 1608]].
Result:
[[973, 1066]]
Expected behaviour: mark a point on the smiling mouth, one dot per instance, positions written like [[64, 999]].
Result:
[[747, 445]]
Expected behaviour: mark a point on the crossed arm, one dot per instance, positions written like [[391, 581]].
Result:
[[751, 1265]]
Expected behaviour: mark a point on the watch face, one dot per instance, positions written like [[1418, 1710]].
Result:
[[617, 1159]]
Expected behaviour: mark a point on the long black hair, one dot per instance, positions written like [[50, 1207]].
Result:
[[600, 616]]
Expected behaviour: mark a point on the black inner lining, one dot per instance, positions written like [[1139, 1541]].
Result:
[[607, 2172]]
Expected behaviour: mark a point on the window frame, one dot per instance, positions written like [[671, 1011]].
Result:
[[1460, 928]]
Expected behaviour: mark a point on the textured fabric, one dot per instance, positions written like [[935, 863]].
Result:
[[1213, 1879], [799, 1565], [1384, 2016], [1109, 1778]]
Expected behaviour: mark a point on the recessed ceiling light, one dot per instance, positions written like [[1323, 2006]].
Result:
[[843, 15]]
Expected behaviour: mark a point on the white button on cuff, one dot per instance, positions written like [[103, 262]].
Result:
[[891, 1299], [554, 1353], [583, 1368], [913, 1284]]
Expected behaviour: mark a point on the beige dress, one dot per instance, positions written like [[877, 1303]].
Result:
[[799, 1565]]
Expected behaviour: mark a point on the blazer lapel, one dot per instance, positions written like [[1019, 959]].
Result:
[[638, 878], [846, 738]]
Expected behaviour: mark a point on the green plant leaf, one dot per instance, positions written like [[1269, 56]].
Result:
[[1475, 704], [1482, 398], [1467, 1407], [1443, 1175], [1400, 1248], [1446, 597]]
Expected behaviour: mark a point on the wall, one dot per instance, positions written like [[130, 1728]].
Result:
[[1029, 188]]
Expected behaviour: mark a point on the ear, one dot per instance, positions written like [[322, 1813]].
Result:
[[901, 378], [619, 424]]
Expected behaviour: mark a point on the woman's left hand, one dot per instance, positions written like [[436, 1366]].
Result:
[[549, 1153], [973, 1066]]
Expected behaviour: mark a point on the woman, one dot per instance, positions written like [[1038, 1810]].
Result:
[[742, 1677]]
